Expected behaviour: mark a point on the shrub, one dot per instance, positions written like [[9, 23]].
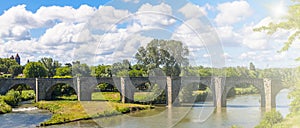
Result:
[[4, 107], [12, 97], [270, 119]]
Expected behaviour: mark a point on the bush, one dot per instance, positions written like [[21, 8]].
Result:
[[4, 107], [12, 97], [27, 95], [270, 119]]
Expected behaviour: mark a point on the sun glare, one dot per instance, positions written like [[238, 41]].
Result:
[[278, 9]]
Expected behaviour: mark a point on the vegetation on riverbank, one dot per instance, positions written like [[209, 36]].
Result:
[[4, 107], [12, 98], [68, 111]]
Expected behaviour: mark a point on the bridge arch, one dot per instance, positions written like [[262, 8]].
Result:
[[7, 84], [232, 82], [97, 94], [51, 90]]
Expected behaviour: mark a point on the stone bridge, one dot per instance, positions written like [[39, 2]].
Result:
[[84, 86]]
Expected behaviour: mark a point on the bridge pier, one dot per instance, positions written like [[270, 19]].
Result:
[[270, 97], [220, 101], [127, 90]]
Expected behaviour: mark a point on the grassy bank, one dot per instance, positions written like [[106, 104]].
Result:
[[68, 111]]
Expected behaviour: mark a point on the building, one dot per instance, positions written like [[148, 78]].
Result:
[[17, 58]]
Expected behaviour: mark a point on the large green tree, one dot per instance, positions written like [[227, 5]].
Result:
[[168, 55], [79, 69], [15, 70], [34, 70], [64, 71], [6, 63], [101, 71], [50, 65]]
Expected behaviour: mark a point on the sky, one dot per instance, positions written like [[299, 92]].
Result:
[[218, 33]]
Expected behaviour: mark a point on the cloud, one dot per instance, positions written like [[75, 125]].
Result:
[[152, 16], [193, 11], [64, 33], [134, 1], [232, 12], [106, 18]]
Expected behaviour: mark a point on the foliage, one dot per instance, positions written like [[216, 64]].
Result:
[[62, 90], [121, 69], [15, 70], [12, 97], [79, 69], [291, 23], [247, 90], [50, 65], [186, 93], [27, 95], [101, 71], [4, 107], [64, 71], [6, 63], [62, 76], [169, 55], [270, 119], [34, 70]]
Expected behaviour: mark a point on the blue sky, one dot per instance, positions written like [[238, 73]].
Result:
[[218, 33]]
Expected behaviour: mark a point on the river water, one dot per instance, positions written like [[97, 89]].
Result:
[[242, 111]]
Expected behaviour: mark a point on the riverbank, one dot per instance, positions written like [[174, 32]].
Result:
[[69, 111]]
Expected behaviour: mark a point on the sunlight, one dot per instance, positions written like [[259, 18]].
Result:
[[277, 9]]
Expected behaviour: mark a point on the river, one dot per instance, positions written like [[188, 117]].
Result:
[[242, 111]]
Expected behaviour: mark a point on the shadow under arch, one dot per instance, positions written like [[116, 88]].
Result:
[[61, 91], [232, 82]]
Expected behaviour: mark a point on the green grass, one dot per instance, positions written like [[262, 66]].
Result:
[[68, 111], [106, 96], [71, 98], [115, 96]]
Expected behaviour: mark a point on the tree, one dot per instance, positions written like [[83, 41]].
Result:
[[79, 69], [34, 70], [101, 71], [5, 64], [50, 65], [121, 69], [292, 23], [64, 71], [15, 70], [169, 56]]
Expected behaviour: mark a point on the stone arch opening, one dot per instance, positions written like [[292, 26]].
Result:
[[196, 93], [25, 91], [282, 101], [148, 92], [105, 91], [253, 94], [61, 91]]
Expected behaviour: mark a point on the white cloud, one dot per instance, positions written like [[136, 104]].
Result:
[[65, 14], [63, 33], [193, 11], [159, 15], [106, 18], [134, 1], [232, 12]]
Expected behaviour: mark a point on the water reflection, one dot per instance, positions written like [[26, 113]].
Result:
[[243, 111]]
